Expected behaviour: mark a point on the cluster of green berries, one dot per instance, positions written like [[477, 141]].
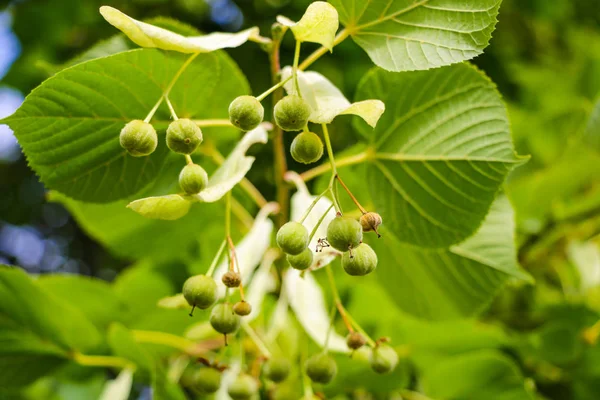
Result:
[[200, 291], [139, 138]]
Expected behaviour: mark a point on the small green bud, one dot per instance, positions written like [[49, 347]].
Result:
[[200, 291], [246, 112], [193, 179], [384, 359], [370, 222], [231, 279], [277, 369], [183, 136], [208, 380], [243, 388], [359, 261], [223, 320], [321, 368], [292, 238], [292, 113], [301, 261], [307, 148], [344, 233], [138, 138], [355, 340], [242, 308]]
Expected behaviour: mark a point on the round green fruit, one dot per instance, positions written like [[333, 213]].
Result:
[[384, 359], [359, 261], [277, 369], [321, 368], [138, 138], [183, 136], [355, 340], [246, 112], [307, 148], [242, 308], [243, 388], [223, 319], [193, 179], [200, 291], [344, 233], [292, 238], [291, 113], [208, 380], [301, 261]]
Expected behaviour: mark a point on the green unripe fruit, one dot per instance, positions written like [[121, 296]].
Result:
[[208, 380], [200, 291], [277, 369], [307, 148], [321, 368], [242, 308], [183, 136], [301, 261], [355, 340], [138, 138], [384, 359], [231, 279], [246, 112], [223, 320], [292, 238], [291, 113], [370, 222], [359, 261], [344, 233], [193, 178], [243, 388]]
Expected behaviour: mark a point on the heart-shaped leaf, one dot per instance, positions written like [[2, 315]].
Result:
[[318, 24]]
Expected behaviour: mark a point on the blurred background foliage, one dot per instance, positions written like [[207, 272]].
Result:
[[535, 341]]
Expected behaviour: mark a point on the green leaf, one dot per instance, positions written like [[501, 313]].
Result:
[[455, 282], [69, 126], [408, 35], [169, 207], [439, 155], [34, 340], [123, 344], [318, 24], [486, 374], [327, 101], [592, 131], [147, 35]]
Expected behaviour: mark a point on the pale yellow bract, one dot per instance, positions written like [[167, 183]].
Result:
[[318, 24]]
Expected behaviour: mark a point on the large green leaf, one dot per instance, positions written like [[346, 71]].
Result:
[[37, 330], [69, 126], [455, 282], [439, 153], [408, 35]]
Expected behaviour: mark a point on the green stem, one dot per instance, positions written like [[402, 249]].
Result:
[[339, 38], [101, 361], [228, 214], [256, 339], [319, 223], [215, 260], [295, 67], [163, 338], [331, 321], [171, 109], [332, 186], [314, 203], [340, 162], [272, 89], [211, 122]]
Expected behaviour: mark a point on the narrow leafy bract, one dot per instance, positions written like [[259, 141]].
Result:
[[408, 35], [327, 101], [69, 126], [146, 35], [440, 153], [318, 24]]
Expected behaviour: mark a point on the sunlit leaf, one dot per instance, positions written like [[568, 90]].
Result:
[[318, 24], [439, 154], [120, 387], [327, 101], [169, 207], [146, 35], [407, 35]]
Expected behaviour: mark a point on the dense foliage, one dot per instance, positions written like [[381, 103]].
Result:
[[437, 236]]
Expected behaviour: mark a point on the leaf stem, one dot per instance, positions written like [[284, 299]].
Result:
[[256, 339], [340, 162], [215, 260], [101, 361], [339, 38]]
